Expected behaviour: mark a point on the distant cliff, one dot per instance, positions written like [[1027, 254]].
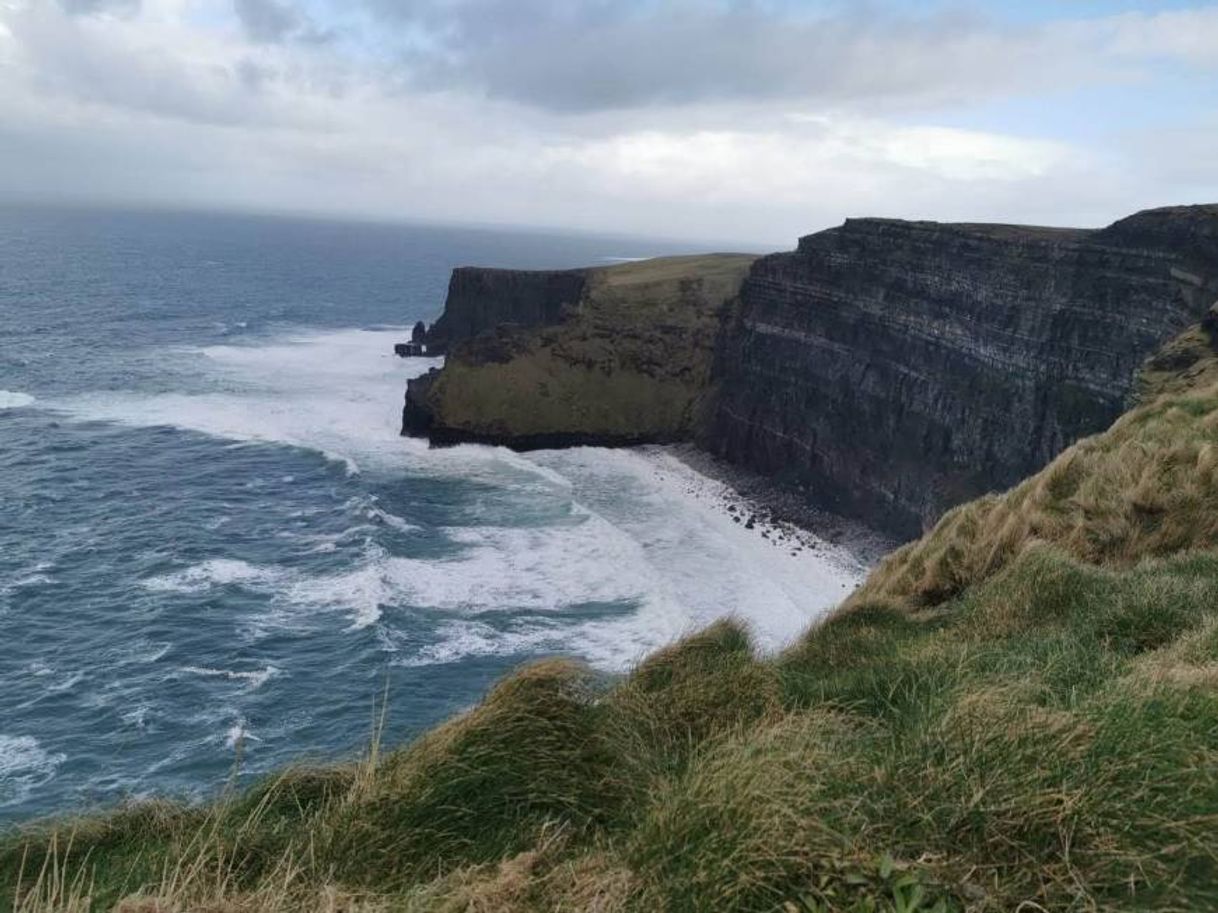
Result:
[[891, 369], [611, 355], [480, 299], [899, 368]]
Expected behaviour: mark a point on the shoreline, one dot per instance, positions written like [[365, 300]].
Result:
[[781, 515]]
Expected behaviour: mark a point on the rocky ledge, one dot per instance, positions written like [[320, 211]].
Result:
[[884, 369]]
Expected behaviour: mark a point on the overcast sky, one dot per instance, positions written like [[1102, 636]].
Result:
[[745, 120]]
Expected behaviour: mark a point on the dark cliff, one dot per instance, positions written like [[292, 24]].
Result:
[[482, 299], [890, 369], [608, 355], [899, 368]]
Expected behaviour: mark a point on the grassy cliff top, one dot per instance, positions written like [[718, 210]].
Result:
[[688, 288], [1020, 711], [1147, 487], [630, 363], [725, 267]]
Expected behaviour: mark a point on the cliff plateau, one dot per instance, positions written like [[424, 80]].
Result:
[[611, 355]]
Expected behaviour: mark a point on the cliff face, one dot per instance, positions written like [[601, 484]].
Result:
[[612, 355], [891, 369], [482, 299], [898, 368]]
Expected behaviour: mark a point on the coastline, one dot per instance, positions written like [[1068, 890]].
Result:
[[781, 515]]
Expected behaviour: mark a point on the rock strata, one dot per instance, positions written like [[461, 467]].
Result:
[[884, 369], [899, 368], [482, 299], [613, 355]]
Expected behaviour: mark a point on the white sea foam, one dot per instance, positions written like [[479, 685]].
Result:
[[24, 765], [137, 716], [70, 681], [253, 679], [694, 561], [461, 639], [214, 572], [392, 520], [335, 392], [657, 535], [645, 553], [238, 734], [32, 580], [10, 399], [624, 551]]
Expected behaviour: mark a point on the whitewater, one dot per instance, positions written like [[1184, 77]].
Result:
[[621, 526], [215, 545]]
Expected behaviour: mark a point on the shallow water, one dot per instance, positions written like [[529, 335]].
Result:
[[214, 543]]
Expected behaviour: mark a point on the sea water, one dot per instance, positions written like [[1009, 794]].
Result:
[[216, 552]]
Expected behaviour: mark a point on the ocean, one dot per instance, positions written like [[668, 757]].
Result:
[[217, 555]]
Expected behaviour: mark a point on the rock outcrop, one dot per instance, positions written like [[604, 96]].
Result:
[[899, 368], [481, 299], [610, 355], [888, 369]]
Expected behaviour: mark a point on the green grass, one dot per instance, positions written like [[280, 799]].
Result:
[[1051, 737], [631, 361], [1020, 711]]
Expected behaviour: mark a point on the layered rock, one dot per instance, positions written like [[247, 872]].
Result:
[[611, 355], [482, 299], [887, 369], [898, 368]]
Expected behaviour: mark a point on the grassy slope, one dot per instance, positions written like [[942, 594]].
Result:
[[633, 362], [1022, 708]]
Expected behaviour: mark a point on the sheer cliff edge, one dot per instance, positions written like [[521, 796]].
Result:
[[888, 369]]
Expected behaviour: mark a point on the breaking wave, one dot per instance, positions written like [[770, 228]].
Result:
[[12, 400]]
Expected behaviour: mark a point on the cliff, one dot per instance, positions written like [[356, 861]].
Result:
[[889, 369], [612, 355], [481, 299], [899, 368]]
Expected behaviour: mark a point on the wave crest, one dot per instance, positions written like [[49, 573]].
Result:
[[10, 399], [24, 765]]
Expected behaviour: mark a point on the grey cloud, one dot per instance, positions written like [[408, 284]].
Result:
[[617, 54], [627, 54], [111, 68], [276, 21], [120, 111], [267, 20], [90, 7], [68, 62]]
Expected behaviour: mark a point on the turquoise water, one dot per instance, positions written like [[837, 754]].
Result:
[[214, 543]]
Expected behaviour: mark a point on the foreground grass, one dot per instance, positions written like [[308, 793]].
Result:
[[1018, 712]]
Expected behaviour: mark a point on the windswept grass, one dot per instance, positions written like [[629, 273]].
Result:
[[1050, 737], [1018, 712], [1147, 487]]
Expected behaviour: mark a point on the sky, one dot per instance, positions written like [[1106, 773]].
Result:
[[753, 121]]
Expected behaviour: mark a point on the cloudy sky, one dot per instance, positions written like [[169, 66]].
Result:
[[747, 120]]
